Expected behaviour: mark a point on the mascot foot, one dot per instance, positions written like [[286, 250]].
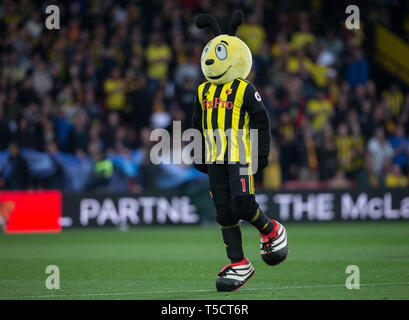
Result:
[[274, 246], [235, 275]]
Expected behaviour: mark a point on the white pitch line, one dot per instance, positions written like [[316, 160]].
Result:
[[199, 290]]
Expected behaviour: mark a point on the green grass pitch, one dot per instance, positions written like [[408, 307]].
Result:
[[183, 262]]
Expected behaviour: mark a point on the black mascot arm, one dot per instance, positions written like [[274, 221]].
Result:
[[260, 120], [197, 124]]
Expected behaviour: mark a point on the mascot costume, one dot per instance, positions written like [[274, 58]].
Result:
[[226, 108]]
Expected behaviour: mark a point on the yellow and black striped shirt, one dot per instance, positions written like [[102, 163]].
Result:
[[224, 114]]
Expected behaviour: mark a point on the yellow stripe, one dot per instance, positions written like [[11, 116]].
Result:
[[247, 145], [210, 157], [264, 226], [251, 180], [221, 117], [256, 215], [229, 227], [200, 94], [246, 138], [238, 102]]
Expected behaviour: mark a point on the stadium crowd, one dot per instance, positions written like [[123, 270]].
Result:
[[115, 70]]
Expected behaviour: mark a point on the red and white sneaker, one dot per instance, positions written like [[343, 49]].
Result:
[[274, 246], [235, 275]]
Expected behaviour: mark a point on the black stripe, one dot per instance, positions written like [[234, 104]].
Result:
[[277, 244], [279, 237], [249, 267], [231, 97], [215, 113], [242, 147], [240, 275], [205, 89], [228, 117], [241, 119]]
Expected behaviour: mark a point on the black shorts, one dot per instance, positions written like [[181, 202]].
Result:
[[239, 182]]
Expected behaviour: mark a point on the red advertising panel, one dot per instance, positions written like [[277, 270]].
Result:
[[26, 212]]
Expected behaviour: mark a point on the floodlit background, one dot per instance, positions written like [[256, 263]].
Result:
[[78, 104]]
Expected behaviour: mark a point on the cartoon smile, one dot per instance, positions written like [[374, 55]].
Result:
[[219, 76]]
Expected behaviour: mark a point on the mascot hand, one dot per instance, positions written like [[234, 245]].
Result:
[[262, 163], [201, 167]]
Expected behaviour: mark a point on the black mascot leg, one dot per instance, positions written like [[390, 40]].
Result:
[[246, 208], [233, 242], [273, 244], [228, 221], [226, 218]]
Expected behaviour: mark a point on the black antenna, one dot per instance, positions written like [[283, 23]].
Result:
[[208, 21], [235, 22]]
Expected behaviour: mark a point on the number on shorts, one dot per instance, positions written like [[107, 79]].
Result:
[[243, 184]]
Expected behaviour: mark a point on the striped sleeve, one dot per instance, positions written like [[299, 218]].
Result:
[[259, 118]]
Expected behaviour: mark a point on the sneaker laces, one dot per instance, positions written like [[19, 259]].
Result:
[[266, 245], [223, 273]]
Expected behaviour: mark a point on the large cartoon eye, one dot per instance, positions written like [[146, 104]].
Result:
[[221, 51], [205, 51]]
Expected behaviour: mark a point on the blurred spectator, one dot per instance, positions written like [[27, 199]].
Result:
[[149, 171], [381, 150], [344, 145], [115, 91], [42, 81], [141, 101], [327, 155], [16, 172], [400, 145], [4, 129], [367, 177], [339, 181], [90, 105], [394, 98], [113, 123], [252, 32], [357, 71], [288, 149], [309, 162], [319, 109], [188, 71], [56, 180], [272, 173], [103, 170], [333, 44], [395, 178], [29, 133], [365, 121], [303, 36], [358, 148], [158, 56], [78, 136]]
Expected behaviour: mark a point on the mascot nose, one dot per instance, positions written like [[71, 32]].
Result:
[[209, 62]]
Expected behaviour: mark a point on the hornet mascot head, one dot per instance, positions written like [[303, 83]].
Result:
[[225, 57]]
